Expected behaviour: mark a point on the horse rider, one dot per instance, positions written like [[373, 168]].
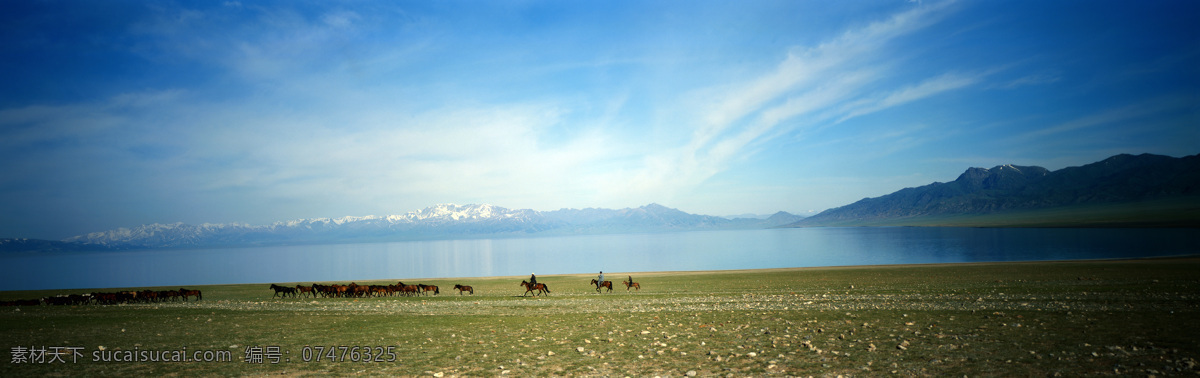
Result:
[[532, 279], [600, 281], [630, 280]]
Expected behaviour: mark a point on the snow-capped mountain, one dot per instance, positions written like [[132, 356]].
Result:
[[437, 221], [442, 221]]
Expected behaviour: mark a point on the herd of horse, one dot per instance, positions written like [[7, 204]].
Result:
[[354, 290], [143, 296]]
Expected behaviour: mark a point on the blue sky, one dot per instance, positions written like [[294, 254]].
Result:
[[115, 114]]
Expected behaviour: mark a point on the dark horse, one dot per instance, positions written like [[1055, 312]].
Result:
[[634, 285], [539, 287], [462, 288], [607, 284], [284, 290], [185, 293]]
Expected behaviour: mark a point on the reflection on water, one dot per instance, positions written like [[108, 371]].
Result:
[[707, 250]]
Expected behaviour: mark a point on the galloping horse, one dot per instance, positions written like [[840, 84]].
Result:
[[185, 293], [305, 289], [539, 287], [634, 285], [462, 288], [607, 284], [284, 290]]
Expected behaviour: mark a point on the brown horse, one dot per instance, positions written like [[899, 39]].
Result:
[[361, 291], [539, 288], [634, 285], [150, 295], [305, 289], [356, 290], [185, 293], [462, 288], [408, 290], [165, 295], [607, 284], [428, 288], [379, 290], [340, 290], [325, 290]]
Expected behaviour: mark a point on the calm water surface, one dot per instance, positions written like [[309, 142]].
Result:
[[701, 250]]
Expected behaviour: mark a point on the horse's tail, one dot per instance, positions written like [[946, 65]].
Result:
[[436, 290], [547, 287]]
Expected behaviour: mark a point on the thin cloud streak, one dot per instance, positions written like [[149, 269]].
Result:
[[944, 83], [1123, 114], [834, 74]]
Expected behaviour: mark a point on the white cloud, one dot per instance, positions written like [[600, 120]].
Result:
[[1111, 116], [810, 85], [806, 67], [944, 83], [1031, 80]]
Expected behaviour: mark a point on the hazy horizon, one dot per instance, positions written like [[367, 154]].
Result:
[[122, 114]]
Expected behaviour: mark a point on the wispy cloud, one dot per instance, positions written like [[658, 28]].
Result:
[[811, 86], [1124, 114], [1031, 80], [944, 83]]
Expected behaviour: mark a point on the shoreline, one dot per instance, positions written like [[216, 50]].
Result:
[[667, 273]]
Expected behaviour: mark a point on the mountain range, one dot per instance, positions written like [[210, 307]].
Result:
[[1120, 191], [444, 221]]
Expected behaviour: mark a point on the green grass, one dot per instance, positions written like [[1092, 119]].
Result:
[[1130, 317]]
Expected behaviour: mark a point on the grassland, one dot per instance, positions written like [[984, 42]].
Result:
[[1133, 317]]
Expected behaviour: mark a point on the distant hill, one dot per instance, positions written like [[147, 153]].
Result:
[[38, 245], [1123, 190], [445, 221]]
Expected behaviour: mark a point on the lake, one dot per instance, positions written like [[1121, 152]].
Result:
[[616, 253]]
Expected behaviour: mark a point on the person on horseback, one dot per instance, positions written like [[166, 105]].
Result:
[[532, 279], [600, 281]]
